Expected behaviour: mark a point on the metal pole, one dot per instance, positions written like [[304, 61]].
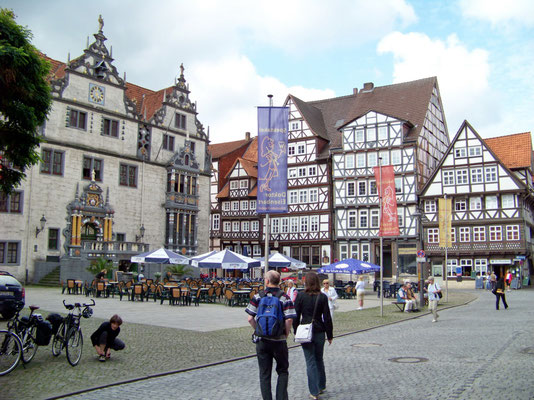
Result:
[[420, 264], [266, 244], [446, 248], [270, 96], [381, 240]]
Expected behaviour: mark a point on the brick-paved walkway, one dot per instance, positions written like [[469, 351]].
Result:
[[473, 352]]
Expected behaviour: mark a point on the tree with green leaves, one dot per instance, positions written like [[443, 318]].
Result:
[[25, 100]]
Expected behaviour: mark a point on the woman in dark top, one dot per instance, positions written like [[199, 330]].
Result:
[[105, 338], [499, 293], [322, 327]]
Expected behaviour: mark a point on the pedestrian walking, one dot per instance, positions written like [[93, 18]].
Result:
[[433, 298], [104, 339], [312, 305], [499, 294], [360, 291], [271, 313], [509, 278], [291, 290], [331, 293], [493, 280]]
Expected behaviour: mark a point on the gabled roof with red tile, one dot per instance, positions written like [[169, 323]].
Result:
[[147, 101], [225, 192], [57, 68], [220, 149], [250, 167], [515, 151], [252, 151]]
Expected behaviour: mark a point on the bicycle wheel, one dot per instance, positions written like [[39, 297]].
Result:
[[29, 347], [57, 342], [10, 352], [74, 346]]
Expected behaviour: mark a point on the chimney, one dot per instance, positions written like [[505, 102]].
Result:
[[247, 135], [368, 87], [355, 91]]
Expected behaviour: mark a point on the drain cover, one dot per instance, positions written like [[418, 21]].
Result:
[[528, 350], [366, 345], [408, 360]]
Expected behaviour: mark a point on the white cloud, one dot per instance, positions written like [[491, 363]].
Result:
[[229, 91], [498, 11], [463, 75], [215, 40]]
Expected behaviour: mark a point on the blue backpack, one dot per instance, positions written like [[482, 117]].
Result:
[[270, 316]]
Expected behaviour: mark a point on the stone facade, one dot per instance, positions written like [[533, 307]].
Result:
[[109, 153]]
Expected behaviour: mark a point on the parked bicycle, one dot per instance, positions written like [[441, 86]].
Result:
[[10, 351], [69, 335], [26, 329]]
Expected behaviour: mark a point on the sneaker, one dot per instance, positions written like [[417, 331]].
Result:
[[314, 397], [434, 320], [360, 308], [102, 358]]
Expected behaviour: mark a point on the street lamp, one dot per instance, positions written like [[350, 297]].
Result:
[[141, 233], [42, 221]]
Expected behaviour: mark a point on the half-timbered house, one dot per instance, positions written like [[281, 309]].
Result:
[[489, 184], [239, 222], [223, 158], [402, 125]]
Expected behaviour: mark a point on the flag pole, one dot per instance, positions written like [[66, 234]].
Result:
[[381, 241], [270, 96]]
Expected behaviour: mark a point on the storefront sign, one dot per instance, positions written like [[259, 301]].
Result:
[[500, 261]]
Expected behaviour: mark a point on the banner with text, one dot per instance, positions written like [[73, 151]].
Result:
[[389, 223], [445, 222], [273, 124]]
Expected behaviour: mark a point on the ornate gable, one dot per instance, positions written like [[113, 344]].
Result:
[[97, 60]]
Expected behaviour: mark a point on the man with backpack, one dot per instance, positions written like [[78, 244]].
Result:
[[271, 313]]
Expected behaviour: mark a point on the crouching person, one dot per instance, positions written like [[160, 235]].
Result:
[[105, 338]]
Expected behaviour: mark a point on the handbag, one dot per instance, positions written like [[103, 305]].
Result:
[[304, 333], [440, 295]]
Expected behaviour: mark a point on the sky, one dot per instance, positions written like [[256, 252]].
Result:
[[236, 52]]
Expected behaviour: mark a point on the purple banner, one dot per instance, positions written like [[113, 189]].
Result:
[[273, 124]]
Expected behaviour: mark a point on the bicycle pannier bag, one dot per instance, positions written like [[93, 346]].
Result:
[[56, 320], [44, 333]]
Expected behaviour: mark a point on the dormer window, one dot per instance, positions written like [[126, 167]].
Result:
[[180, 121]]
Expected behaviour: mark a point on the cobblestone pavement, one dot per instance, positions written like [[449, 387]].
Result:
[[473, 352]]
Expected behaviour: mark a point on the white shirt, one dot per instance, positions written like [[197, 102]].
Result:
[[331, 294], [360, 285]]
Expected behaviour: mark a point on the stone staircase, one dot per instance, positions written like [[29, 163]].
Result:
[[51, 279]]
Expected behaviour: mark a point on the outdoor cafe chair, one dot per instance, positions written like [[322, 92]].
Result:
[[185, 294], [137, 292], [210, 297], [229, 297], [63, 286], [195, 296], [175, 296], [71, 286], [101, 289], [218, 293]]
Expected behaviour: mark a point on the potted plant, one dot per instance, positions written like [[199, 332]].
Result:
[[179, 270], [101, 264]]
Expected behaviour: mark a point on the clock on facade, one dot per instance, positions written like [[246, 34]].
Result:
[[96, 94]]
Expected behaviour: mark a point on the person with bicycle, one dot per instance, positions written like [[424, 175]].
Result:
[[105, 338]]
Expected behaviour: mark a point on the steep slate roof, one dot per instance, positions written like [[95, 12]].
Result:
[[406, 101], [515, 150]]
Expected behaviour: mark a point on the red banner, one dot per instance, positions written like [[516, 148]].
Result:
[[385, 183]]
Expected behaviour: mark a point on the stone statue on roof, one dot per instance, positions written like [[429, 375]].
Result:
[[100, 23]]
